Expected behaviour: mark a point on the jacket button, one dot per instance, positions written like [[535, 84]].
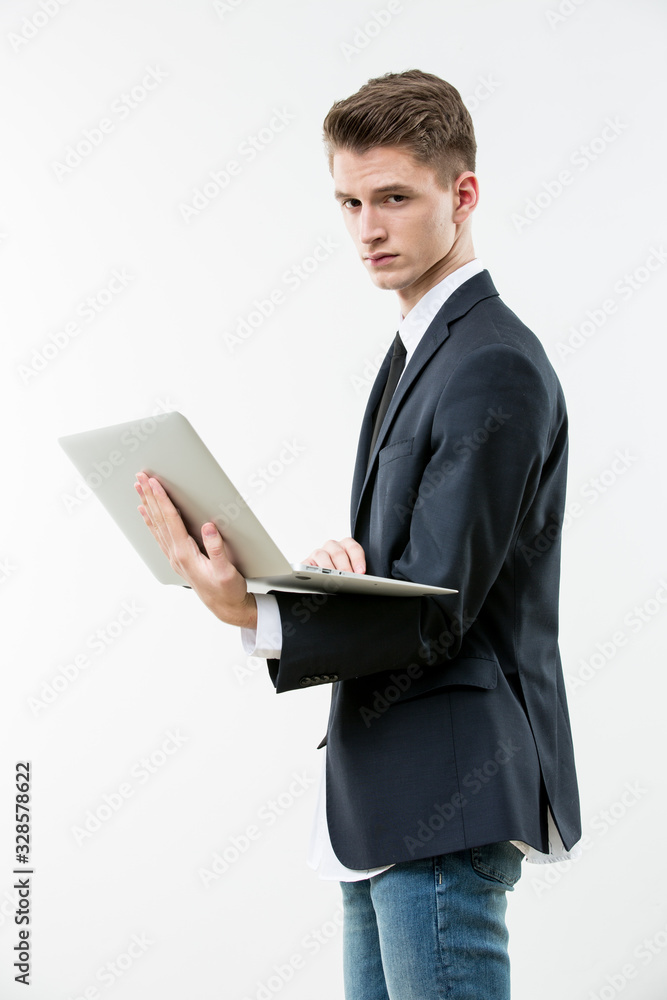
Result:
[[305, 681]]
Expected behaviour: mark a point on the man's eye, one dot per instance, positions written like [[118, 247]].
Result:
[[351, 203], [401, 197]]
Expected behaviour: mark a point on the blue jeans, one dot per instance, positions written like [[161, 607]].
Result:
[[432, 929]]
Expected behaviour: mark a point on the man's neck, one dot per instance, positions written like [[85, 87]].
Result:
[[409, 297]]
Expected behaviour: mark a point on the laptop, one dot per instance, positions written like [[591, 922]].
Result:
[[168, 447]]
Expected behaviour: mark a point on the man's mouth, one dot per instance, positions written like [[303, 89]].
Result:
[[377, 260]]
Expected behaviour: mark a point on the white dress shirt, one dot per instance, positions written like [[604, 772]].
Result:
[[266, 640]]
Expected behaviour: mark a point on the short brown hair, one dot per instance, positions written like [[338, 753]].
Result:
[[415, 110]]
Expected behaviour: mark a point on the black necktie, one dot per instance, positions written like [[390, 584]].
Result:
[[395, 371]]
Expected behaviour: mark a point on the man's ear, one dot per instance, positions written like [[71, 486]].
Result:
[[465, 192]]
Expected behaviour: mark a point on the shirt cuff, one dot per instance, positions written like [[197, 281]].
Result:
[[267, 639]]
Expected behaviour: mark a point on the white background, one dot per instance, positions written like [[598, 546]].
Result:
[[541, 87]]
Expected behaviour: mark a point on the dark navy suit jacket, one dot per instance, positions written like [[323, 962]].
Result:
[[449, 725]]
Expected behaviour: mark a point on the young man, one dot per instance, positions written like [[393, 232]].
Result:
[[448, 751]]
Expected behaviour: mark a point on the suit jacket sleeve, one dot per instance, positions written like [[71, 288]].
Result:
[[457, 516]]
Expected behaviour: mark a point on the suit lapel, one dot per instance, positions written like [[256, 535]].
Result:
[[479, 287]]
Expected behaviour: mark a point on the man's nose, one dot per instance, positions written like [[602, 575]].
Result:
[[370, 226]]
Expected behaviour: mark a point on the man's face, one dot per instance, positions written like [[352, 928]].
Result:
[[407, 229]]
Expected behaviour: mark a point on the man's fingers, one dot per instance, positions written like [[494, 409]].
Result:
[[166, 524], [355, 554], [149, 522], [146, 516], [152, 515], [214, 579], [214, 544], [347, 555], [145, 491], [163, 513], [340, 557], [320, 557]]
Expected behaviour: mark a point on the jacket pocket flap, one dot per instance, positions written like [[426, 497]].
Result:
[[467, 672], [396, 450], [471, 672]]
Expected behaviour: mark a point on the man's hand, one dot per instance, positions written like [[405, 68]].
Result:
[[215, 580], [346, 554]]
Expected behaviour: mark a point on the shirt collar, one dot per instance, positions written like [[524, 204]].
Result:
[[413, 326]]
